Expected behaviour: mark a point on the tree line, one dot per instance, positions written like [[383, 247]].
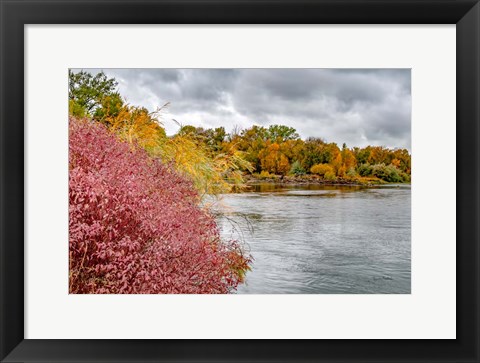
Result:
[[279, 150]]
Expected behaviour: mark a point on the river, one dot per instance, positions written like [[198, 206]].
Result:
[[322, 239]]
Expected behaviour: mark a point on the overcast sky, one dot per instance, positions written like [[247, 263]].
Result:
[[357, 106]]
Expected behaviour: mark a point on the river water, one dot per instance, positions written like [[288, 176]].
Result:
[[322, 239]]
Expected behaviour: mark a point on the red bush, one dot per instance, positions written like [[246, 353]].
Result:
[[135, 225]]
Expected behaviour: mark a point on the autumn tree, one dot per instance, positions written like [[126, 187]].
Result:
[[293, 149], [402, 160], [379, 155], [250, 141], [348, 161], [273, 160]]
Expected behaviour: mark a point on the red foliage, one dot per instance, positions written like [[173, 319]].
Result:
[[135, 224]]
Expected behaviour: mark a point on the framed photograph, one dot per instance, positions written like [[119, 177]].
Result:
[[240, 181]]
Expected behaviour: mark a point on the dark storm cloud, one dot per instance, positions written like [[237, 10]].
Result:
[[356, 106]]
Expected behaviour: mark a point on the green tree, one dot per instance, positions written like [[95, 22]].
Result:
[[110, 106], [215, 137], [187, 130], [362, 155], [281, 133], [311, 152], [88, 93]]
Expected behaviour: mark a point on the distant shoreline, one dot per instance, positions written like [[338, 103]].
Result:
[[311, 179]]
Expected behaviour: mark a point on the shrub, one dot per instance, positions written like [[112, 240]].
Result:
[[389, 173], [406, 177], [330, 175], [265, 175], [297, 169], [135, 225], [365, 170], [351, 173], [322, 169]]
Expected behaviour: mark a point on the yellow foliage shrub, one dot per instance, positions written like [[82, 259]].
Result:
[[322, 169]]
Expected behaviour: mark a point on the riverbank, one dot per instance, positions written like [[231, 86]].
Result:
[[312, 179]]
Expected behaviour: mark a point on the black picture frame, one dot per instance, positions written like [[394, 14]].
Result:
[[15, 14]]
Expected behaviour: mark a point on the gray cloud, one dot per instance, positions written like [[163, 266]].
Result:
[[356, 106]]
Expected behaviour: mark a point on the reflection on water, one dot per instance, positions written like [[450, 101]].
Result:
[[322, 239]]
